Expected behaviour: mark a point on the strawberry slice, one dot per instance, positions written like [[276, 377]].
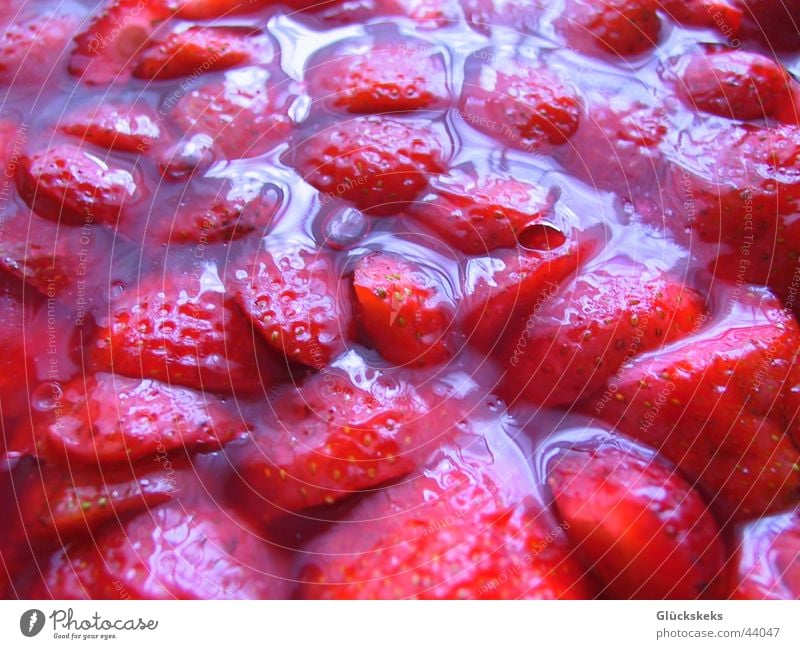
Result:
[[621, 146], [366, 77], [765, 562], [246, 113], [338, 434], [566, 349], [521, 16], [522, 105], [733, 83], [296, 301], [511, 282], [197, 49], [32, 45], [715, 404], [403, 310], [105, 51], [723, 15], [170, 552], [217, 209], [184, 330], [742, 190], [73, 184], [191, 154], [738, 181], [59, 503], [17, 309], [480, 213], [52, 257], [770, 22], [114, 126], [451, 533], [107, 418], [641, 529], [620, 27], [379, 163]]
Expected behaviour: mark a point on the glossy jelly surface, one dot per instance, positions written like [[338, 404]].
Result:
[[399, 298]]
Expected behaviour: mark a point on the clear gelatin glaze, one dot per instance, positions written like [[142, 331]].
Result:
[[399, 298]]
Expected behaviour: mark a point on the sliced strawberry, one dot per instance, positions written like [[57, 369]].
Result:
[[724, 15], [620, 145], [637, 525], [114, 126], [479, 213], [17, 308], [765, 562], [742, 189], [772, 22], [247, 112], [216, 209], [621, 27], [171, 552], [379, 163], [364, 77], [73, 184], [403, 310], [338, 434], [715, 405], [512, 282], [105, 51], [107, 418], [522, 105], [205, 9], [31, 46], [62, 503], [297, 302], [183, 329], [566, 349], [51, 257], [197, 50], [522, 16], [451, 533], [733, 83]]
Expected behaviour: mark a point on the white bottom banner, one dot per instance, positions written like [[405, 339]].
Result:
[[401, 625]]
